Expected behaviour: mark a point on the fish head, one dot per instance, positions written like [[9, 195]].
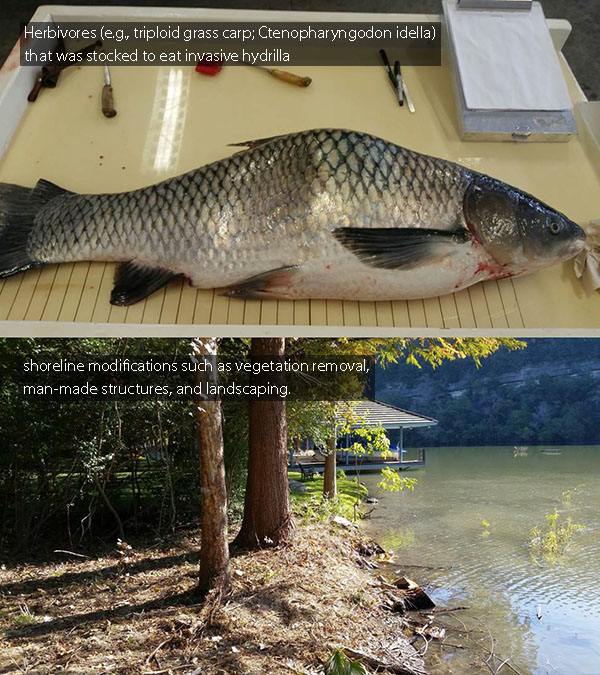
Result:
[[520, 232]]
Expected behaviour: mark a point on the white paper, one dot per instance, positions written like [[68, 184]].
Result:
[[506, 60]]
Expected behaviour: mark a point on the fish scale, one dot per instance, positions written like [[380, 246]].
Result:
[[320, 213]]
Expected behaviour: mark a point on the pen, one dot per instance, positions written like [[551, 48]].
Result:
[[388, 68], [399, 82], [409, 102]]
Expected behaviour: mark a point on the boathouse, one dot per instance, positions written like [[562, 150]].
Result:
[[370, 413]]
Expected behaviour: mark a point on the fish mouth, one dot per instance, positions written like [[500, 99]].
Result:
[[579, 243], [576, 248]]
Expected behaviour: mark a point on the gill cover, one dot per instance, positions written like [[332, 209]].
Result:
[[515, 227]]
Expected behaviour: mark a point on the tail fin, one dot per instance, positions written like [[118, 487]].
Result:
[[18, 208]]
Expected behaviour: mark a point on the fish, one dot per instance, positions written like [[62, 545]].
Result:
[[323, 213]]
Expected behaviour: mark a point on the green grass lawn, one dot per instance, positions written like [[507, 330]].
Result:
[[310, 503]]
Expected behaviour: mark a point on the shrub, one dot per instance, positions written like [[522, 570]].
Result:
[[555, 540]]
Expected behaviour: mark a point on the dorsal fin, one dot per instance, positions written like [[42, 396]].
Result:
[[255, 143]]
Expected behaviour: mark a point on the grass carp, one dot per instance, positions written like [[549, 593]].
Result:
[[325, 213]]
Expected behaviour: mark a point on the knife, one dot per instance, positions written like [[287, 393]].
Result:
[[108, 104], [283, 75]]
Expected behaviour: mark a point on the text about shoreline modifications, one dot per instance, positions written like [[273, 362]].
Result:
[[243, 43], [77, 378]]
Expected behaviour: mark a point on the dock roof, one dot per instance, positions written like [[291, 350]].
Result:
[[385, 414]]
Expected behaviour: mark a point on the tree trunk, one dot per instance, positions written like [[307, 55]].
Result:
[[329, 475], [267, 514], [214, 549]]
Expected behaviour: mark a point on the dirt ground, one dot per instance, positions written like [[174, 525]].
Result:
[[135, 612]]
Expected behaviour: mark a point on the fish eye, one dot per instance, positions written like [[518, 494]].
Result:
[[554, 226]]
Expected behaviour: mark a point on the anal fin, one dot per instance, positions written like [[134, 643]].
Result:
[[135, 281], [262, 285]]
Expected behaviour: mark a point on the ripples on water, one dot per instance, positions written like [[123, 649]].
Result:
[[494, 574]]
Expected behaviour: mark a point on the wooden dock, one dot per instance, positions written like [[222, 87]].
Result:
[[362, 464]]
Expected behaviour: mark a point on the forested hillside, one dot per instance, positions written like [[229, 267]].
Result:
[[544, 394]]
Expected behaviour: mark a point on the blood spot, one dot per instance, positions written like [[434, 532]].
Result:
[[494, 270]]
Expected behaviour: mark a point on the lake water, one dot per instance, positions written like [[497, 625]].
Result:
[[490, 568]]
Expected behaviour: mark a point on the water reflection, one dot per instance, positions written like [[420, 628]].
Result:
[[167, 121], [495, 574]]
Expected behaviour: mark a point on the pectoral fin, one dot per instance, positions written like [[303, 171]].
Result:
[[399, 248], [269, 284], [134, 282]]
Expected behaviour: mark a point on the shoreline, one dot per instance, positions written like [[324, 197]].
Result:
[[288, 608]]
